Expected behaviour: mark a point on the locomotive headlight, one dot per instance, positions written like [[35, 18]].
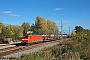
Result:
[[22, 39], [26, 39]]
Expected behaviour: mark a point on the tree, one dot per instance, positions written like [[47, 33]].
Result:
[[87, 31], [52, 27], [4, 32], [14, 31], [81, 41], [55, 28], [18, 31], [32, 27], [1, 27], [10, 28], [40, 25], [73, 33], [78, 29], [26, 27]]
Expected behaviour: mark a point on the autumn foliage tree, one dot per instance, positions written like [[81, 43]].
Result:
[[52, 27], [40, 25], [43, 26]]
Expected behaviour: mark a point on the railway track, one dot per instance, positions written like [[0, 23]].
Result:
[[17, 49]]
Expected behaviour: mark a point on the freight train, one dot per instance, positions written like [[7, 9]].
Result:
[[41, 38]]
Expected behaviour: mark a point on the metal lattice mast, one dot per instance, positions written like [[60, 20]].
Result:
[[61, 29], [69, 30]]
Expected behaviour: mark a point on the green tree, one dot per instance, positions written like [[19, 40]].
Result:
[[26, 27], [4, 32], [32, 28], [78, 29], [87, 31], [18, 32], [81, 42]]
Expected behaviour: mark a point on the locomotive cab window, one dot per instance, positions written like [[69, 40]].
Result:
[[25, 37]]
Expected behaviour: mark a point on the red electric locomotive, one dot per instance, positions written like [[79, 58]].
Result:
[[32, 39]]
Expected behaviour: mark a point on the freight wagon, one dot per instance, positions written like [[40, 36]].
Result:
[[5, 40]]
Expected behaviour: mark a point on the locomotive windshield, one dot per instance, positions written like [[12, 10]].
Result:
[[25, 37]]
